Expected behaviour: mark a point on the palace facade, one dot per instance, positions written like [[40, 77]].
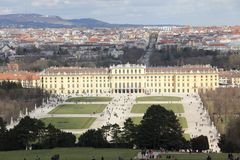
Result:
[[130, 78]]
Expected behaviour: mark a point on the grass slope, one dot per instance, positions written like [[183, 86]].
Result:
[[109, 154], [142, 108], [89, 99], [70, 123], [70, 154], [78, 109]]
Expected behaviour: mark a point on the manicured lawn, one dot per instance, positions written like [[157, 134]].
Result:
[[187, 136], [70, 154], [70, 123], [182, 121], [142, 108], [136, 120], [89, 99], [79, 109], [159, 98]]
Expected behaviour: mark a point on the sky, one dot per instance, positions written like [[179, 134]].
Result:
[[186, 12]]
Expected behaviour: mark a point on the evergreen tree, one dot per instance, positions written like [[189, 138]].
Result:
[[160, 128], [93, 138], [129, 132], [116, 134], [200, 143]]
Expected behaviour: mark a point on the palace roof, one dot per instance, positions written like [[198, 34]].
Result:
[[19, 76]]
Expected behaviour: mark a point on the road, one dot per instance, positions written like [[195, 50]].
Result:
[[150, 49]]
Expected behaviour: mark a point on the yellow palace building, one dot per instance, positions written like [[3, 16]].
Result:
[[130, 78]]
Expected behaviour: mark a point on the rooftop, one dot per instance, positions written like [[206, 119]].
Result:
[[19, 76], [79, 70]]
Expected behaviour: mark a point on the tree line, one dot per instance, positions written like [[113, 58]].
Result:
[[33, 134], [230, 140], [15, 98], [174, 56], [223, 106]]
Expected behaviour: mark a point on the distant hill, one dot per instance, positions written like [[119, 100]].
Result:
[[40, 21], [32, 20], [88, 22]]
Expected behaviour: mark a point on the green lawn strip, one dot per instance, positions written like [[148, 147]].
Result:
[[142, 108], [159, 98], [136, 120], [89, 99], [70, 154], [187, 136], [108, 154], [183, 122], [70, 123], [78, 109]]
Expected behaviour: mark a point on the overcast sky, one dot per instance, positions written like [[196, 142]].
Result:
[[192, 12]]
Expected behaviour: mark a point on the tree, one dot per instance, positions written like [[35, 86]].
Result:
[[56, 138], [116, 134], [160, 128], [3, 128], [27, 132], [230, 142], [33, 133], [200, 143], [226, 146], [131, 55], [93, 138], [3, 131], [129, 132], [7, 85]]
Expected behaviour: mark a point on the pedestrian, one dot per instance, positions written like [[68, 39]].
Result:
[[209, 157]]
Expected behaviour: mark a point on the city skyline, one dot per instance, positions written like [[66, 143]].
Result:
[[183, 12]]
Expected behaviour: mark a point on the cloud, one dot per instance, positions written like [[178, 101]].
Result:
[[133, 11], [38, 3], [5, 11]]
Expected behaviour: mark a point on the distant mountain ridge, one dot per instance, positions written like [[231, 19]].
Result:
[[40, 21]]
